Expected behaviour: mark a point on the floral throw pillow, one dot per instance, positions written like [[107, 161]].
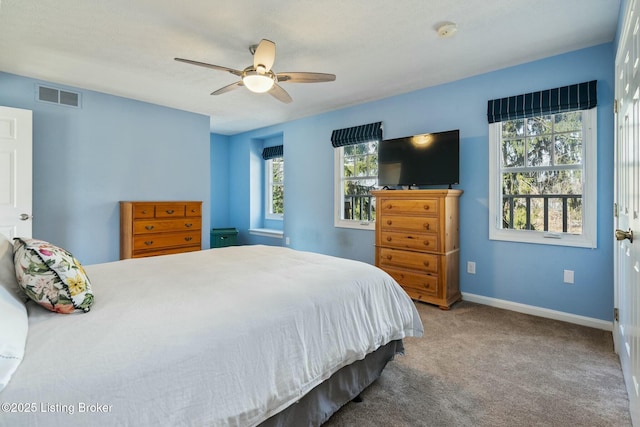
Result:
[[51, 276]]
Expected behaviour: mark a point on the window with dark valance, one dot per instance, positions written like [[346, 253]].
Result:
[[581, 96], [273, 152], [357, 134]]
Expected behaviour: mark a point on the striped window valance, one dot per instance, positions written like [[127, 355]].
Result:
[[357, 134], [580, 96], [273, 152]]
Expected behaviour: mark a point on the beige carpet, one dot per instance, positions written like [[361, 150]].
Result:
[[483, 366]]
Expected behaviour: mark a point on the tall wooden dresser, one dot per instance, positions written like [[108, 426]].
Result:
[[418, 242], [152, 228]]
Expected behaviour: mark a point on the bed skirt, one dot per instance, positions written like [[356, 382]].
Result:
[[317, 406]]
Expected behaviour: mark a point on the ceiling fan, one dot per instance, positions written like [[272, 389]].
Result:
[[260, 78]]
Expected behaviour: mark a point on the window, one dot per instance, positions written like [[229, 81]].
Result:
[[356, 175], [274, 180], [275, 188], [358, 166], [543, 178]]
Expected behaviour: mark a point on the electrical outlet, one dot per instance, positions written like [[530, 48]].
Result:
[[568, 276], [287, 241], [471, 267]]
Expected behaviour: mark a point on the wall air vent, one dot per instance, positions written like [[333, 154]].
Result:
[[58, 96]]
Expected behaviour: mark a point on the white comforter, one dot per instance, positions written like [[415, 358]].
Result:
[[226, 336]]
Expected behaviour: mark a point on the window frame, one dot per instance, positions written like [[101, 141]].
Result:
[[268, 192], [588, 237], [339, 195]]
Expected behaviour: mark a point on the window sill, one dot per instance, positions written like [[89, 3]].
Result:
[[356, 225], [536, 237], [267, 232]]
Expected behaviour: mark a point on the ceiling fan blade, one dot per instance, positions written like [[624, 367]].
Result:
[[228, 88], [265, 54], [280, 94], [215, 67], [294, 77]]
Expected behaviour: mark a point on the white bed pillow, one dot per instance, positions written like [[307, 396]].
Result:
[[8, 278], [14, 323]]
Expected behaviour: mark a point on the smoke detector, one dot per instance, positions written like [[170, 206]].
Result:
[[447, 30]]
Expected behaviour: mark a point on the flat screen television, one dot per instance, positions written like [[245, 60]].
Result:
[[427, 159]]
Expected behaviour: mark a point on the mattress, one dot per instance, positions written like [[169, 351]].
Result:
[[227, 336]]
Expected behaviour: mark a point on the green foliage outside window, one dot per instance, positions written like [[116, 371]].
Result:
[[542, 157], [277, 185], [360, 176]]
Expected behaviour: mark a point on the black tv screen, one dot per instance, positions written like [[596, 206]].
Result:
[[427, 159]]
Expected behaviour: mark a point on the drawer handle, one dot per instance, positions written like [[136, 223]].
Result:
[[188, 239], [389, 257], [148, 242], [144, 212], [427, 225], [149, 227], [389, 238], [188, 225], [426, 243], [426, 263], [426, 207], [389, 222], [170, 211], [389, 206]]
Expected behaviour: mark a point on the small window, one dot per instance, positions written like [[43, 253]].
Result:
[[274, 192], [356, 176], [543, 179]]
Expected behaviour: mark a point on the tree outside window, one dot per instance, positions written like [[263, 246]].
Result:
[[543, 170], [275, 187], [358, 164]]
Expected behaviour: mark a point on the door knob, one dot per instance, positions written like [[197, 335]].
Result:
[[621, 235], [24, 217]]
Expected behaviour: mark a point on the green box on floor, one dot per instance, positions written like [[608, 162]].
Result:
[[221, 237]]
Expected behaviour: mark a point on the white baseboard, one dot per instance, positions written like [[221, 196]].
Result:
[[540, 312]]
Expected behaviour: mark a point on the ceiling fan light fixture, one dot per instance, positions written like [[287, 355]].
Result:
[[257, 82]]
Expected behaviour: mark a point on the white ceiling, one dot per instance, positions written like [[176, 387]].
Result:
[[376, 48]]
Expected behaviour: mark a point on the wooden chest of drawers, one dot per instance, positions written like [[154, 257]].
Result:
[[418, 243], [159, 228]]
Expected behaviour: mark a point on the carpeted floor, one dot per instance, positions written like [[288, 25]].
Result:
[[483, 366]]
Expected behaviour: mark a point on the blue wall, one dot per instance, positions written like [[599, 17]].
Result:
[[86, 160], [220, 181], [524, 273]]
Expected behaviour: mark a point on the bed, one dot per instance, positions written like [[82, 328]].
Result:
[[235, 336]]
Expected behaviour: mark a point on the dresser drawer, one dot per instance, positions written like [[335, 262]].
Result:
[[413, 260], [144, 211], [424, 283], [409, 206], [416, 241], [170, 210], [146, 226], [410, 223], [193, 209], [151, 241]]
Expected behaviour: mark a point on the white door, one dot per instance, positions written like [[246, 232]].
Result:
[[15, 172], [627, 208]]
